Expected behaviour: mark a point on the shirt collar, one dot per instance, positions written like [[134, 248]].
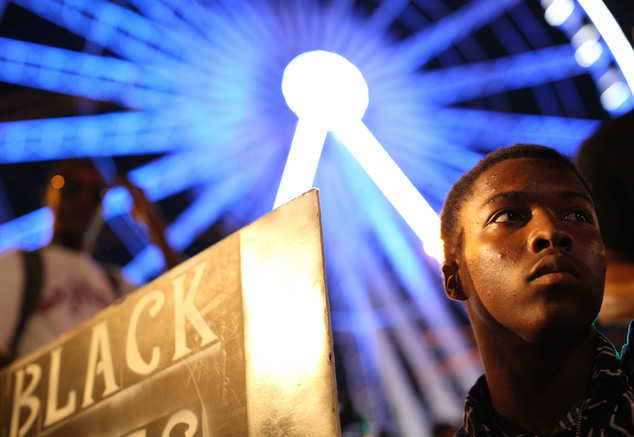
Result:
[[607, 378]]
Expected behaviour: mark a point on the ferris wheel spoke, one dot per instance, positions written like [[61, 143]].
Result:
[[418, 49], [126, 33], [112, 134], [80, 74], [385, 14], [405, 261], [394, 184], [516, 71], [302, 161], [496, 128], [213, 200]]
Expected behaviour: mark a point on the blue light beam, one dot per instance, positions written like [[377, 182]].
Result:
[[458, 84], [418, 49], [496, 129], [81, 74], [394, 184], [118, 134], [118, 29], [28, 232]]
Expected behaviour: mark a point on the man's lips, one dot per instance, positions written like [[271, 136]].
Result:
[[554, 269]]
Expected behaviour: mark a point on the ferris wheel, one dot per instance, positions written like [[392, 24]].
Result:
[[239, 106]]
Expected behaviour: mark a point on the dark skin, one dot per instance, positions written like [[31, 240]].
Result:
[[74, 210], [531, 274]]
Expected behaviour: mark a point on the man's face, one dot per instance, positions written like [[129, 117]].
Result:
[[76, 200], [533, 261]]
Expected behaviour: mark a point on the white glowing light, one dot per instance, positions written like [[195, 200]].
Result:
[[301, 164], [613, 36], [615, 91], [588, 53], [584, 34], [588, 48], [615, 95], [328, 93], [324, 86], [558, 12], [394, 184]]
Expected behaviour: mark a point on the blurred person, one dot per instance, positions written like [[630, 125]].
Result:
[[523, 252], [606, 158], [50, 291]]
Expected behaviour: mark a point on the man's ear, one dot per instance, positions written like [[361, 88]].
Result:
[[453, 285]]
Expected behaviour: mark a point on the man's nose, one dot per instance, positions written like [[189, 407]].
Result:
[[548, 232]]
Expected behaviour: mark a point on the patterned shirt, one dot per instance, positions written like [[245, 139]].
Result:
[[607, 409]]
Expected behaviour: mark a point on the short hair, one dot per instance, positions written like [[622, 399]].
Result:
[[450, 227]]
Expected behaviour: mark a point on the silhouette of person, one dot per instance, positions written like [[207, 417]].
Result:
[[606, 158], [52, 290]]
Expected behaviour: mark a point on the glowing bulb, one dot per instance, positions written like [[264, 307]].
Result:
[[615, 95], [325, 87], [558, 12], [613, 36], [57, 181], [328, 93], [589, 49], [588, 53]]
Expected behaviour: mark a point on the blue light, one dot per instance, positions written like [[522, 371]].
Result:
[[118, 29], [99, 135], [598, 45], [199, 85], [562, 133], [145, 265], [611, 32], [29, 232], [588, 48], [117, 201], [462, 83], [419, 49], [394, 184]]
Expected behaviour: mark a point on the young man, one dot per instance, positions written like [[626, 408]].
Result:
[[523, 251]]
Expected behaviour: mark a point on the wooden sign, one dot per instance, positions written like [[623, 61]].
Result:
[[235, 341]]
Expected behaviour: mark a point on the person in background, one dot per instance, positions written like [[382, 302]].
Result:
[[52, 290], [606, 158], [523, 252]]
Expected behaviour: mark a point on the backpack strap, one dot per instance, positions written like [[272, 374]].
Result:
[[33, 276], [32, 292]]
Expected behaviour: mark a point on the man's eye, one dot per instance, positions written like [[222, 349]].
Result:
[[507, 216], [578, 215]]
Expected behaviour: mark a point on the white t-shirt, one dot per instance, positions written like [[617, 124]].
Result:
[[74, 289]]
